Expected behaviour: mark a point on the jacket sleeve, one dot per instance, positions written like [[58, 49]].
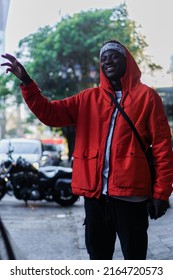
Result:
[[55, 113], [160, 135]]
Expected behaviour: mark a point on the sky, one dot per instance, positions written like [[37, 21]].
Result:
[[154, 16]]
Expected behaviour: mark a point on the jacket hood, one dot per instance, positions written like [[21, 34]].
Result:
[[130, 79]]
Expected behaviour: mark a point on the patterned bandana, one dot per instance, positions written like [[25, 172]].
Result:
[[113, 46]]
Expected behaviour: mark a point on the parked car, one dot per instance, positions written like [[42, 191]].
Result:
[[60, 145], [51, 155], [30, 149]]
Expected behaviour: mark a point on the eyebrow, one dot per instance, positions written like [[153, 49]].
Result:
[[111, 52]]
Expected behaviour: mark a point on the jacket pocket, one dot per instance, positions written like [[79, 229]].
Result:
[[85, 169], [129, 168]]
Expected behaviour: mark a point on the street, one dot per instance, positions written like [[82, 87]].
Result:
[[44, 230], [47, 231]]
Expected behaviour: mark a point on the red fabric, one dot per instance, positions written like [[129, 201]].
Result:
[[90, 111]]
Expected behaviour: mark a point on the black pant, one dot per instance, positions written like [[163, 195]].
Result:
[[105, 218]]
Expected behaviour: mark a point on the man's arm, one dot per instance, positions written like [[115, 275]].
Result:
[[163, 156], [56, 113]]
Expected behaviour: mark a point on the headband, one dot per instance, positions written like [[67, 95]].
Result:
[[113, 46]]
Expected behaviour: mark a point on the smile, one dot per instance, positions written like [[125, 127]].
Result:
[[110, 69]]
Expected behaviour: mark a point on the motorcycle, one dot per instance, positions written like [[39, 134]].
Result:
[[21, 179]]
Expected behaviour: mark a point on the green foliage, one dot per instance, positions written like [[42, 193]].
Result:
[[60, 58], [4, 90]]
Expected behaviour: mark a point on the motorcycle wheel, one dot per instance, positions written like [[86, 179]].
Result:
[[2, 188], [63, 193]]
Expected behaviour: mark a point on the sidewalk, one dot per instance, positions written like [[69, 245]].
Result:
[[161, 236]]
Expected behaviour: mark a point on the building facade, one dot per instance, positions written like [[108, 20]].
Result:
[[4, 8], [166, 93]]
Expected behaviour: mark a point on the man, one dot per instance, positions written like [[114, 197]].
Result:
[[110, 170]]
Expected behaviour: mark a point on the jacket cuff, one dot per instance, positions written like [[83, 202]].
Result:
[[30, 89], [161, 196]]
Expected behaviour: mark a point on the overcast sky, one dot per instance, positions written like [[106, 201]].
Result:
[[154, 16]]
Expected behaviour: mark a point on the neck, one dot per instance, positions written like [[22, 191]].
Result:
[[116, 85]]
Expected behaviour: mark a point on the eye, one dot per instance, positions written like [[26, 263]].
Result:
[[114, 56], [103, 58]]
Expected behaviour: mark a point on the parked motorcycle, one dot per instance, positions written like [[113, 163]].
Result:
[[21, 179]]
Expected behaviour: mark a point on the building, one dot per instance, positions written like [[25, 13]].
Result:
[[166, 93], [4, 8]]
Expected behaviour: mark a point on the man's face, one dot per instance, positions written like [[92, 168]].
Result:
[[113, 64]]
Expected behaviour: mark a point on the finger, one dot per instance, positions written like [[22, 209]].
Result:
[[6, 64], [9, 65], [163, 213], [156, 213], [9, 57], [8, 70], [160, 214]]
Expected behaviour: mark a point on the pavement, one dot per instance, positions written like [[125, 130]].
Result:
[[161, 236]]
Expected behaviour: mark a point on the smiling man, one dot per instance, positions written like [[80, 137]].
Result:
[[110, 170]]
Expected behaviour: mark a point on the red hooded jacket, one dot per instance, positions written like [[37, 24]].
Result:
[[90, 111]]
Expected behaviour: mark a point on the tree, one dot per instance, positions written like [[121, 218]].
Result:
[[64, 59], [5, 92]]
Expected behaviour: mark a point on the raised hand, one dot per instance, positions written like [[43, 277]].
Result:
[[15, 67]]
